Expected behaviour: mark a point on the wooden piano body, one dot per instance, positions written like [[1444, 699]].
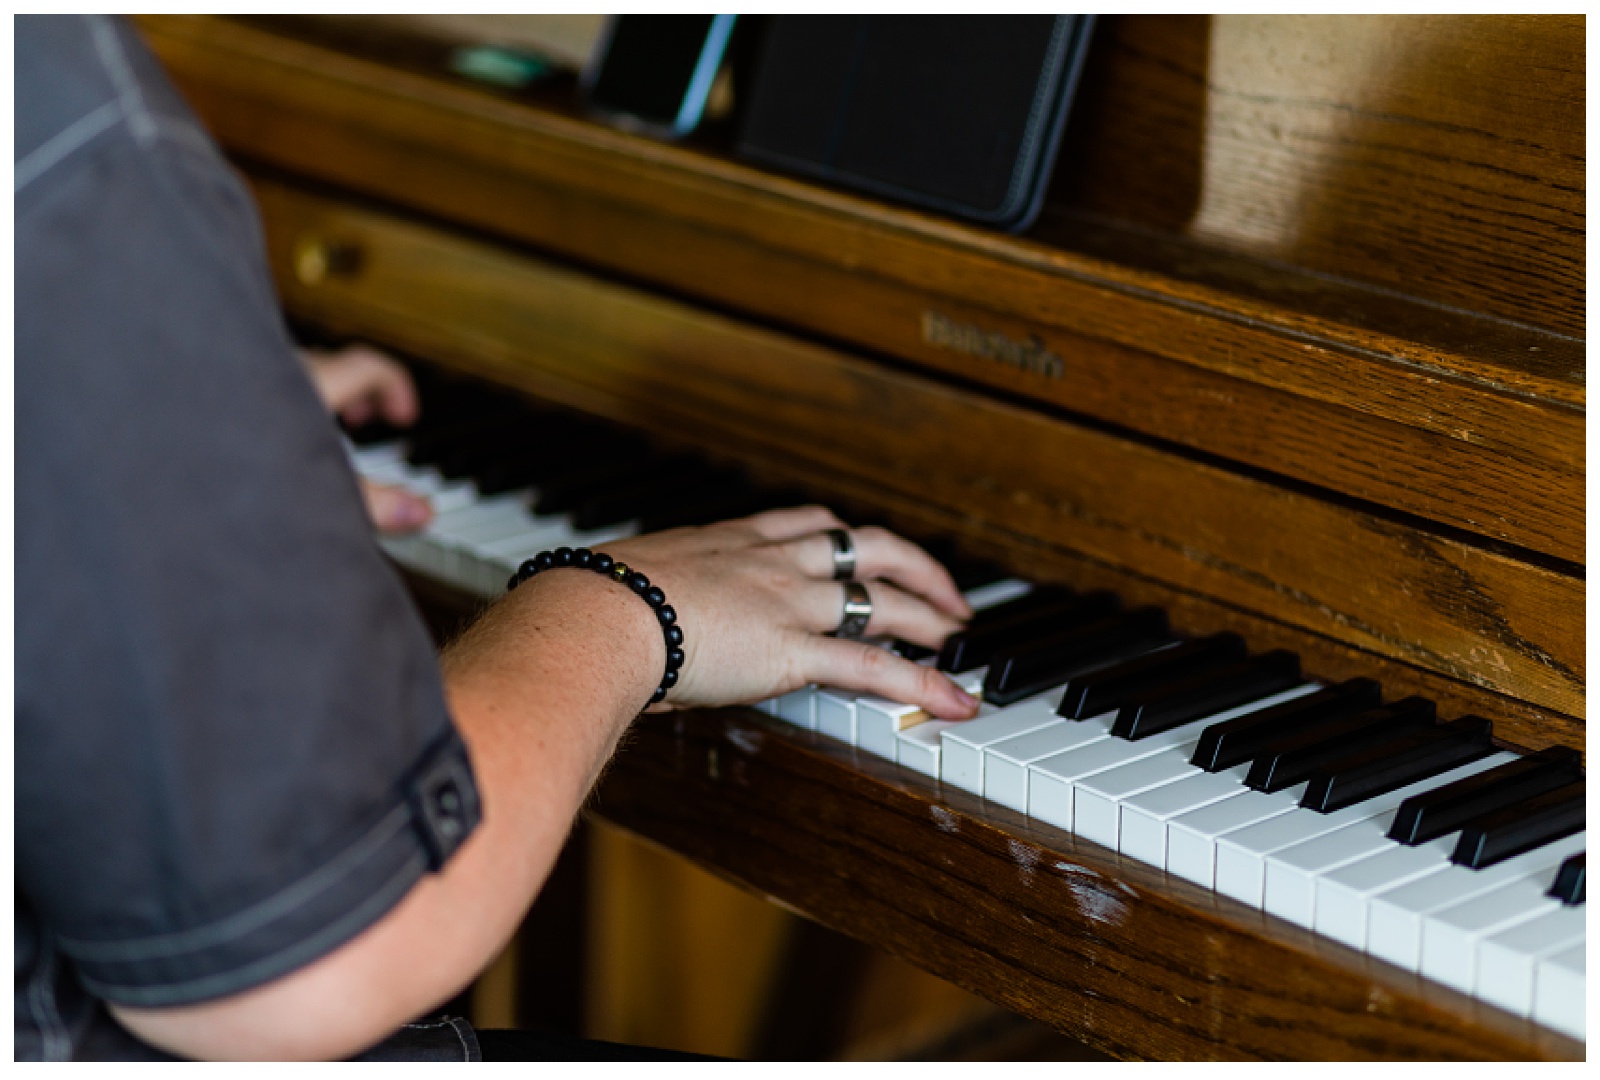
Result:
[[1296, 350]]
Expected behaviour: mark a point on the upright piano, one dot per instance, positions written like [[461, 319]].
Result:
[[1295, 353]]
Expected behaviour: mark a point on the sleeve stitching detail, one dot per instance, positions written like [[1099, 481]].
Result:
[[296, 895]]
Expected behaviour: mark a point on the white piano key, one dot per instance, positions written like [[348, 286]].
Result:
[[1005, 763], [970, 681], [996, 592], [1558, 991], [453, 496], [392, 473], [1143, 830], [494, 522], [435, 488], [1292, 873], [1098, 799], [799, 707], [836, 713], [544, 534], [1344, 894], [1395, 917], [375, 455], [1052, 781], [493, 506], [414, 550], [879, 720], [1450, 936], [918, 747], [1192, 837], [1507, 960], [1241, 855], [962, 759]]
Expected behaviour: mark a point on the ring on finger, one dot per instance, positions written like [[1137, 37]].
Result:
[[857, 612], [844, 554]]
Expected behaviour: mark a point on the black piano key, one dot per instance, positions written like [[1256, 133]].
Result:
[[373, 432], [1432, 814], [969, 574], [911, 650], [651, 493], [1523, 827], [563, 490], [1294, 758], [1041, 664], [1038, 599], [712, 507], [1390, 765], [1206, 694], [1568, 887], [1232, 742], [471, 456], [533, 448], [1110, 687], [973, 647]]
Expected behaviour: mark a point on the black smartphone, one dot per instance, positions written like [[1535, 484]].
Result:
[[655, 72]]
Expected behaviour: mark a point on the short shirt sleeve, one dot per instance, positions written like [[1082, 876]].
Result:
[[232, 747]]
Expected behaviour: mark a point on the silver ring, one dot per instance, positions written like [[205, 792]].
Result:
[[857, 611], [844, 554]]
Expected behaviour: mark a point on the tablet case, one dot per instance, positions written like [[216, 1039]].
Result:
[[955, 113]]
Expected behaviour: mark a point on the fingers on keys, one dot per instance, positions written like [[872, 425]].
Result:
[[853, 665], [895, 613], [882, 554]]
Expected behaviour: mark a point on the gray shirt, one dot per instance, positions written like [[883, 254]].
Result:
[[232, 747]]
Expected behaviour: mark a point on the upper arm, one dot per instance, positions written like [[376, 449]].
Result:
[[231, 736]]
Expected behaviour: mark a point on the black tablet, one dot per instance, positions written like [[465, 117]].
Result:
[[955, 113]]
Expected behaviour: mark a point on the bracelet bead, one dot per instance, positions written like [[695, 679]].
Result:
[[623, 574]]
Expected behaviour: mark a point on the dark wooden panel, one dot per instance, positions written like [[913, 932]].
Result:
[[1108, 951], [1432, 601], [1453, 422], [1439, 155]]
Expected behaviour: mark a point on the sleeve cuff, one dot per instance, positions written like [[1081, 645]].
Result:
[[435, 810]]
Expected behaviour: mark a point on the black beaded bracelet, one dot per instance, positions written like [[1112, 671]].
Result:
[[604, 564]]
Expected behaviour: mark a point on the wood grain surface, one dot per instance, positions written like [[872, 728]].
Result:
[[1359, 389], [1441, 156], [1432, 601], [1108, 951]]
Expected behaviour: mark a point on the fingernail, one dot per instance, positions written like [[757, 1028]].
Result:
[[966, 699]]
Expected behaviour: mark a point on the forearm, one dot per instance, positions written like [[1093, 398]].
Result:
[[541, 689]]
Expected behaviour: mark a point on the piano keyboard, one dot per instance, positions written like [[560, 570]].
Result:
[[1369, 823]]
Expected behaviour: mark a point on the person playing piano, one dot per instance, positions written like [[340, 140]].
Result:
[[256, 816]]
